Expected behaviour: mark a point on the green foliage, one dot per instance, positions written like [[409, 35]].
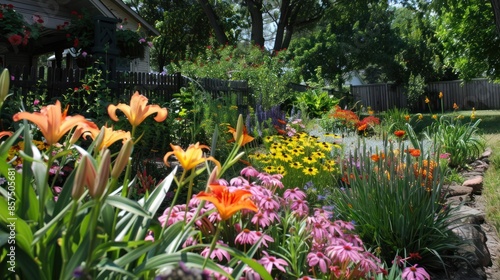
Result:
[[395, 199], [315, 102], [267, 74], [394, 119], [461, 141], [469, 38], [415, 90]]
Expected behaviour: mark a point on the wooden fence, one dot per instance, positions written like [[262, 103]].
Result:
[[478, 93], [55, 82]]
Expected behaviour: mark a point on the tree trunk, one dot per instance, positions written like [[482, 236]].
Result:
[[214, 22], [255, 9], [496, 11], [282, 24]]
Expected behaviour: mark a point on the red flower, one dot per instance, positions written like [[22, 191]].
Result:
[[15, 39], [399, 133], [1, 15], [10, 6], [76, 42]]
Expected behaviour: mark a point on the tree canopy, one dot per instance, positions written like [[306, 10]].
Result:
[[384, 40]]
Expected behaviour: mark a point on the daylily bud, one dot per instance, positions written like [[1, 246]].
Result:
[[79, 182], [4, 85], [122, 158], [99, 186], [239, 130], [99, 139]]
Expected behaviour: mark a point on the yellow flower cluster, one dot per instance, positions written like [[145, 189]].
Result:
[[13, 153], [299, 159]]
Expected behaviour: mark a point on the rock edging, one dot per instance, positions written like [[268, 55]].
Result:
[[482, 238]]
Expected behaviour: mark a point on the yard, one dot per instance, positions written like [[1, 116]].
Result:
[[280, 195]]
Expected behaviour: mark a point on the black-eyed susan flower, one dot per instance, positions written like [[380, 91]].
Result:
[[310, 171], [309, 160]]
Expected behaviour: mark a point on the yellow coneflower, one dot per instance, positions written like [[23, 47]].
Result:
[[296, 165], [310, 171]]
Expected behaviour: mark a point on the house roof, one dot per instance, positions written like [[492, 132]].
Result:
[[60, 13]]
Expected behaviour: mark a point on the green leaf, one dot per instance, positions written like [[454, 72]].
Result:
[[24, 236], [190, 259], [127, 205]]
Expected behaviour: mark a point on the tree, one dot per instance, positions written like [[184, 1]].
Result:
[[420, 53], [353, 35], [469, 37], [286, 17]]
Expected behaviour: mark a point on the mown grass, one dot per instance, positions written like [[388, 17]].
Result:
[[491, 190]]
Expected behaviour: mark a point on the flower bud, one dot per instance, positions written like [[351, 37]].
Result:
[[4, 85], [122, 158], [239, 130], [102, 176]]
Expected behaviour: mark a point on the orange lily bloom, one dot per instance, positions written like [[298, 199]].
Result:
[[226, 202], [363, 127], [110, 136], [6, 133], [427, 100], [51, 121], [190, 158], [399, 133], [440, 94], [138, 110], [246, 137], [375, 157], [414, 152]]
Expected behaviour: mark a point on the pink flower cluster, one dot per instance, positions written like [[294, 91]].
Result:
[[333, 249]]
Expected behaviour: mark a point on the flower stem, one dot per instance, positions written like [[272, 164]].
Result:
[[214, 243]]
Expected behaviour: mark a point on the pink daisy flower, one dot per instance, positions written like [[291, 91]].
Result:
[[294, 194], [318, 259], [260, 219], [249, 171], [345, 253], [218, 253], [270, 261], [264, 237], [246, 236], [415, 273]]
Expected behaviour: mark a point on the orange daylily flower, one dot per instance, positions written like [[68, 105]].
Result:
[[440, 94], [246, 137], [138, 110], [110, 136], [414, 152], [427, 100], [52, 122], [362, 127], [6, 133], [190, 158], [399, 133], [407, 117], [281, 121], [455, 106], [375, 157], [226, 202]]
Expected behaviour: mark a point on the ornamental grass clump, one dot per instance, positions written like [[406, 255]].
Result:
[[395, 199], [302, 160]]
